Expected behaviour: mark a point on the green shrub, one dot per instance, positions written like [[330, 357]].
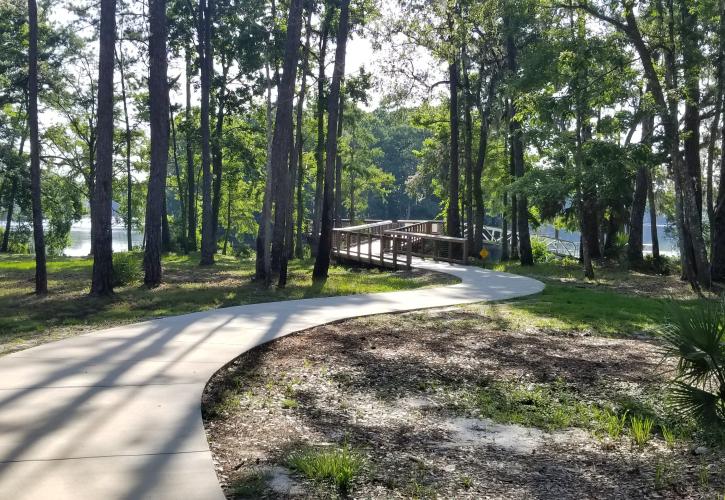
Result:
[[19, 239], [126, 268], [339, 466], [540, 251], [696, 339]]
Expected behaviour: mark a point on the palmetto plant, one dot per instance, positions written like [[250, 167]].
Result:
[[696, 338]]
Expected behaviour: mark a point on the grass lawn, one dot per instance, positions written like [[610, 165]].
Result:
[[26, 320], [617, 303]]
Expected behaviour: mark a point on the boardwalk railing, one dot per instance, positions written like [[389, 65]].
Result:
[[392, 244]]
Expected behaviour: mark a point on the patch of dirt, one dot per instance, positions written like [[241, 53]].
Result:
[[398, 388]]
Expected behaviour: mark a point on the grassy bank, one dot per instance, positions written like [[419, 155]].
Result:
[[617, 303], [26, 320]]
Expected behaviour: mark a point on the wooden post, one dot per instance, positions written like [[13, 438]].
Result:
[[358, 246], [347, 243], [370, 247], [435, 250], [450, 251], [464, 257], [395, 252], [409, 251], [382, 249]]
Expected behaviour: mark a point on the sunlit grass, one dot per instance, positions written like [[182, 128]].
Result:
[[26, 319]]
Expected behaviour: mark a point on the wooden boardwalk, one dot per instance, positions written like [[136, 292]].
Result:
[[393, 244]]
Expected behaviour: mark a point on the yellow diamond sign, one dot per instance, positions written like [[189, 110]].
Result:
[[483, 253]]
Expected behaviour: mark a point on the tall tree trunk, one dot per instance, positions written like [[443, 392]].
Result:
[[177, 171], [717, 222], [41, 274], [216, 150], [636, 222], [514, 251], [322, 261], [468, 150], [9, 215], [11, 201], [653, 217], [263, 271], [206, 58], [282, 140], [101, 212], [691, 69], [480, 214], [159, 116], [320, 148], [299, 144], [190, 170], [338, 166], [127, 138], [453, 217], [229, 218], [517, 149]]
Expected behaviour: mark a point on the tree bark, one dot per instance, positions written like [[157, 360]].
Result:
[[159, 116], [468, 151], [263, 270], [177, 171], [216, 150], [320, 148], [635, 255], [127, 138], [480, 211], [653, 217], [11, 202], [691, 70], [101, 211], [282, 139], [299, 144], [453, 216], [517, 149], [190, 170], [41, 274], [322, 261], [514, 250], [229, 218], [717, 221], [206, 58], [338, 165]]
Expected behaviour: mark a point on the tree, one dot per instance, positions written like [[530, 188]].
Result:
[[102, 281], [159, 114], [282, 140], [41, 275], [208, 240], [322, 261], [453, 215]]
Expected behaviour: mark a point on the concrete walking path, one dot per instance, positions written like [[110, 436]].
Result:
[[115, 414]]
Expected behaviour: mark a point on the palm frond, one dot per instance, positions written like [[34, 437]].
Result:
[[693, 401]]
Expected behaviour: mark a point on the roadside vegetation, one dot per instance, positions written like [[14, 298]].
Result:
[[564, 394], [26, 319]]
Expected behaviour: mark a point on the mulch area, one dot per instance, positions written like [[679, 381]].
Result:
[[398, 389]]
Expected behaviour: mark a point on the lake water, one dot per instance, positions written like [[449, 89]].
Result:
[[668, 245], [80, 239]]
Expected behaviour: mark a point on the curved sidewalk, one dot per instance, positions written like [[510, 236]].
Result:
[[115, 414]]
